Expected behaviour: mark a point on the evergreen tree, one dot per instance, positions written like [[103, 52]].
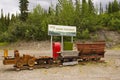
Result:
[[110, 10], [101, 8], [2, 16], [23, 9], [50, 11], [84, 8], [119, 5], [91, 7], [8, 19], [77, 13], [57, 10], [1, 20], [13, 18], [106, 8], [115, 6], [51, 14], [66, 16], [2, 27]]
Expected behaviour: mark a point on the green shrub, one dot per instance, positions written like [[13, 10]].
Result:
[[114, 24], [84, 34], [7, 37]]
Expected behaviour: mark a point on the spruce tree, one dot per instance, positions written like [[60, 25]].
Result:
[[110, 10], [57, 10], [84, 8], [101, 8], [91, 7], [50, 11], [77, 13], [78, 10], [66, 16], [8, 19], [115, 6], [23, 9], [2, 16]]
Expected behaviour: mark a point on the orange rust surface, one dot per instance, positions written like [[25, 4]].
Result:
[[88, 48]]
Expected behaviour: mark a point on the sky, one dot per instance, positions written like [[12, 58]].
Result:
[[12, 6]]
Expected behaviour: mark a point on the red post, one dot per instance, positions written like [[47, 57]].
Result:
[[56, 48]]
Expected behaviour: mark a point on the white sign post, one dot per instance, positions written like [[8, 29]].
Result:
[[59, 30]]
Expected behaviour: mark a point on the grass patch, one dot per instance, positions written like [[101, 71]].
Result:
[[3, 43], [117, 47]]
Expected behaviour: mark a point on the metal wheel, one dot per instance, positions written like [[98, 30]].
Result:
[[97, 59], [31, 62], [19, 63], [17, 69], [50, 61], [30, 68]]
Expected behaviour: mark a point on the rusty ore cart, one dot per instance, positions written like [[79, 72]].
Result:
[[91, 51]]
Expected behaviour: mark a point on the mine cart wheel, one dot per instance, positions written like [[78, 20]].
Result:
[[31, 62], [50, 61], [17, 69], [84, 59], [97, 59], [93, 59], [19, 63], [74, 59], [30, 68], [40, 62]]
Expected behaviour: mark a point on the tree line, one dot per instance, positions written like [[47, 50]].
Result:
[[33, 25]]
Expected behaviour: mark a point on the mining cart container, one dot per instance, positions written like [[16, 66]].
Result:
[[93, 50]]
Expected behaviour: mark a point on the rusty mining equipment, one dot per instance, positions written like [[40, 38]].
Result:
[[85, 52]]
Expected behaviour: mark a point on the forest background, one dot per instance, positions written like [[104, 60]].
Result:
[[33, 25]]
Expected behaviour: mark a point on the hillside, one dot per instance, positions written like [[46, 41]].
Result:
[[112, 39]]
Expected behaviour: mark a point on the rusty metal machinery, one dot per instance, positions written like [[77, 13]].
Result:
[[94, 50], [18, 61], [25, 61], [85, 52]]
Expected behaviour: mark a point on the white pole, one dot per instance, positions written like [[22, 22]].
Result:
[[72, 39], [61, 43], [51, 45]]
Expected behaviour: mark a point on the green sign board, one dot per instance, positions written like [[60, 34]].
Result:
[[58, 30]]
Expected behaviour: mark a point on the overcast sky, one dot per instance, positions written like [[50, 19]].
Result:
[[12, 6]]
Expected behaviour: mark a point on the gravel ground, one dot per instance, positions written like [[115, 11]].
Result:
[[110, 70]]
